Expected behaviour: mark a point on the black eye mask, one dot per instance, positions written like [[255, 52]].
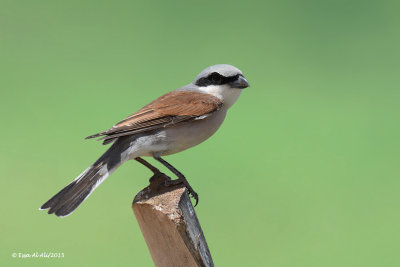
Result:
[[216, 79]]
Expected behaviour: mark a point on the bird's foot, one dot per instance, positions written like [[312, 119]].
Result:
[[159, 177], [194, 195]]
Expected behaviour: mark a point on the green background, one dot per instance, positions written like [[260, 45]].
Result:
[[304, 171]]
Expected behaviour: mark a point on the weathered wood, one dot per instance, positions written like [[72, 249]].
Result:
[[170, 226]]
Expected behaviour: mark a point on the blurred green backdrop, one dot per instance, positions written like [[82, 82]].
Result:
[[304, 171]]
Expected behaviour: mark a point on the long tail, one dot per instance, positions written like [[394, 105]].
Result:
[[69, 198]]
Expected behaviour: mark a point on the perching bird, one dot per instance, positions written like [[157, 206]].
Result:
[[170, 124]]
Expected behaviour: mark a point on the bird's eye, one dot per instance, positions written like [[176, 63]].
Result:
[[215, 78]]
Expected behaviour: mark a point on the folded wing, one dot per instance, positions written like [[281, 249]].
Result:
[[168, 110]]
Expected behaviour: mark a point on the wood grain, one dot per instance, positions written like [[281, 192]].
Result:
[[170, 226]]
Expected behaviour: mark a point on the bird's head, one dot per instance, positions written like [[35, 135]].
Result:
[[223, 81]]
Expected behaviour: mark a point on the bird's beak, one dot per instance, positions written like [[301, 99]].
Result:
[[240, 83]]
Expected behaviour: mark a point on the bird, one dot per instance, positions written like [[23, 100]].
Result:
[[172, 123]]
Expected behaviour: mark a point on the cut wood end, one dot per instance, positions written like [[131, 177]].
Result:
[[167, 203], [160, 197]]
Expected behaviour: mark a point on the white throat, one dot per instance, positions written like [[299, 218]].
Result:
[[224, 92]]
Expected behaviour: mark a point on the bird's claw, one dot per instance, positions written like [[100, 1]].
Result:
[[194, 195]]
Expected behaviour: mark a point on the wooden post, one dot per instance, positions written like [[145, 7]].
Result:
[[170, 226]]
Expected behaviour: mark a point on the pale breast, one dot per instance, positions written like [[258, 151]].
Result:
[[185, 136]]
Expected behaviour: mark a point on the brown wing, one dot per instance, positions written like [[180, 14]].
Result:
[[170, 109]]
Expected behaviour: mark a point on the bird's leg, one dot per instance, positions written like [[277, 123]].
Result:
[[148, 165], [181, 178], [158, 178]]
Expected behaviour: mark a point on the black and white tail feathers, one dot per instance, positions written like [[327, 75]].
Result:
[[69, 198]]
